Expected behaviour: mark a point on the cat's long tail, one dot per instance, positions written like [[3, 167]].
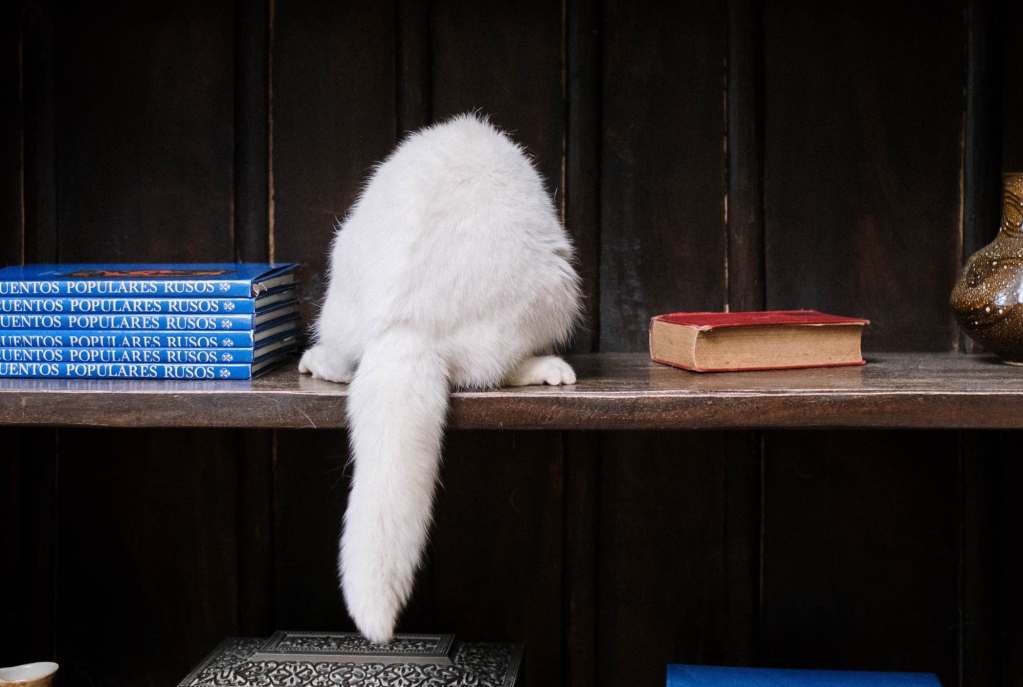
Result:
[[396, 409]]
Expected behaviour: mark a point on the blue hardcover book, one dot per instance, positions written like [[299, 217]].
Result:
[[144, 322], [714, 676], [96, 338], [145, 306], [136, 370], [186, 280], [172, 356]]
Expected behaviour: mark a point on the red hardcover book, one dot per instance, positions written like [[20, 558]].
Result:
[[768, 340]]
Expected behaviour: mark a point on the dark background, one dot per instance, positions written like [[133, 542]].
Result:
[[709, 154]]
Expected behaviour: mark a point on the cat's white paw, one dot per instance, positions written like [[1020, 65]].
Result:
[[543, 369], [322, 363]]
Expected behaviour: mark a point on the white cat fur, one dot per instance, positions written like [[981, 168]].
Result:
[[452, 269]]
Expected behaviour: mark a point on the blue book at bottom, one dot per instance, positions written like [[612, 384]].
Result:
[[715, 676], [214, 372]]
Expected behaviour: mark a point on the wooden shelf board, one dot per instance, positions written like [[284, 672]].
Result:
[[615, 391]]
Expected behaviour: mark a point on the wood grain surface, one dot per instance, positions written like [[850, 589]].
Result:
[[615, 391]]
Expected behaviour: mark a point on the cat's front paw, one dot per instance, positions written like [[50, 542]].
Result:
[[319, 362], [544, 369]]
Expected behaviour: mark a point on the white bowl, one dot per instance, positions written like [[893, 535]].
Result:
[[27, 675]]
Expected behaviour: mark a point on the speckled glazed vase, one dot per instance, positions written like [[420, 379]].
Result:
[[988, 300]]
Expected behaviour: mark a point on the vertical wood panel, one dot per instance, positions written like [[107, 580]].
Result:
[[745, 267], [1012, 147], [28, 487], [663, 173], [982, 489], [674, 585], [38, 134], [496, 552], [414, 86], [311, 481], [862, 552], [147, 553], [333, 117], [862, 168], [250, 218], [982, 150], [11, 220], [1008, 563], [583, 138], [505, 60], [145, 131]]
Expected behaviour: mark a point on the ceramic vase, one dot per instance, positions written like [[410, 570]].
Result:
[[988, 299]]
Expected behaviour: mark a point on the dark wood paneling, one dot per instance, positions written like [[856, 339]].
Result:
[[496, 548], [311, 478], [982, 153], [334, 115], [38, 133], [982, 486], [861, 552], [145, 131], [11, 135], [251, 225], [28, 484], [504, 59], [862, 169], [745, 211], [583, 138], [663, 165], [414, 86], [147, 553], [1008, 564], [667, 546], [1011, 16]]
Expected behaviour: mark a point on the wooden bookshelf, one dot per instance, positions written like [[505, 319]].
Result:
[[615, 391]]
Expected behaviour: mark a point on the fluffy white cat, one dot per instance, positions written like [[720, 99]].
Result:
[[452, 269]]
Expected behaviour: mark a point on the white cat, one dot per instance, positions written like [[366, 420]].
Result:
[[451, 270]]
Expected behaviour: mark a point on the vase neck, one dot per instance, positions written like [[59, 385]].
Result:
[[1012, 205]]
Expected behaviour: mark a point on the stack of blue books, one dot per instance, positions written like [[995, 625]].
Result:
[[716, 676], [181, 321]]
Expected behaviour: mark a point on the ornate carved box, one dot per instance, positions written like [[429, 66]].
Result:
[[341, 659]]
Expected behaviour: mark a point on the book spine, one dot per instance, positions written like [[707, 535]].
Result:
[[123, 371], [86, 338], [141, 322], [130, 288], [128, 306], [174, 356]]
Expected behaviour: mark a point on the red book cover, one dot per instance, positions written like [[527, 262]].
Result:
[[718, 320], [779, 339]]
